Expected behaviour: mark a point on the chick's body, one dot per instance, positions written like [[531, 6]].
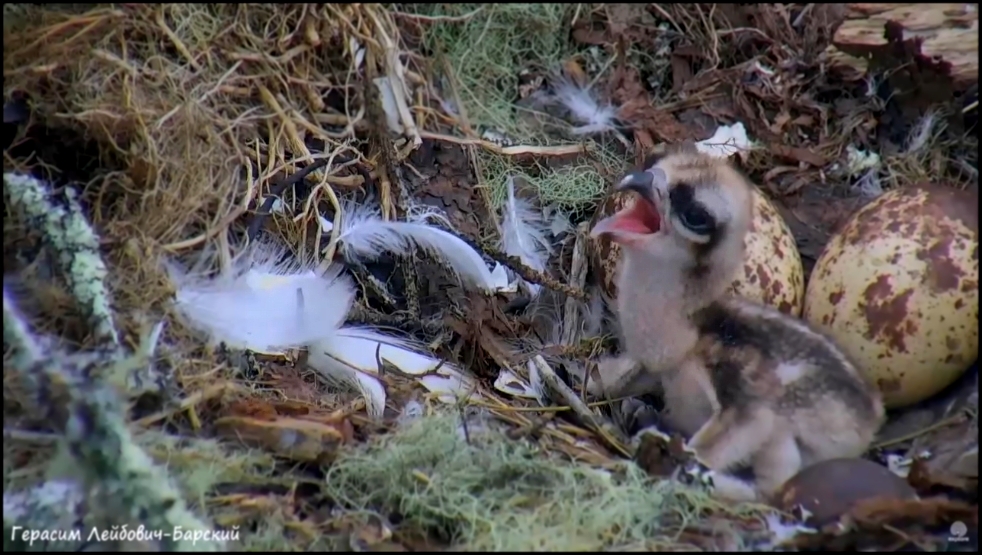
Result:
[[750, 384]]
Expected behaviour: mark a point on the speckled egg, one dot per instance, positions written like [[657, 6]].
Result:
[[829, 489], [898, 288], [772, 272]]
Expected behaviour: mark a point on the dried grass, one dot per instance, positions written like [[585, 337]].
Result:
[[174, 118], [190, 108]]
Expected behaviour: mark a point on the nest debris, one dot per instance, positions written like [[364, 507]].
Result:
[[160, 132]]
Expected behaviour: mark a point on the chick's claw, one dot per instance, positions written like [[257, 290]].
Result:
[[697, 474]]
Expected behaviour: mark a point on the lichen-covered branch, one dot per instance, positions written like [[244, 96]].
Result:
[[68, 233], [71, 237], [98, 436], [15, 334], [130, 487]]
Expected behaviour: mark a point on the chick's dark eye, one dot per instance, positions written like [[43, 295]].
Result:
[[696, 220]]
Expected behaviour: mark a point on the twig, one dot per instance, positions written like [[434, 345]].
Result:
[[531, 275], [397, 80], [950, 421], [366, 315], [801, 15], [29, 436], [605, 429], [440, 18], [69, 234], [76, 246], [276, 190], [297, 145], [15, 334], [577, 280], [211, 392], [98, 437], [158, 18], [518, 150]]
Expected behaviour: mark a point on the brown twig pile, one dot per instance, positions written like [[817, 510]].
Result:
[[192, 109]]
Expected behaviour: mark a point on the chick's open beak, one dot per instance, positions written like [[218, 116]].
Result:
[[641, 218]]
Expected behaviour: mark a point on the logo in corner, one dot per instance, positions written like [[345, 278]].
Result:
[[958, 532]]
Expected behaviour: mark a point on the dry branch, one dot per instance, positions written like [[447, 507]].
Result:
[[941, 37]]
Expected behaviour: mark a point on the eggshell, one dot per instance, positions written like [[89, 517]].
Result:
[[828, 489], [898, 288], [772, 272]]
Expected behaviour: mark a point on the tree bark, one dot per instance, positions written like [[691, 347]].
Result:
[[935, 40]]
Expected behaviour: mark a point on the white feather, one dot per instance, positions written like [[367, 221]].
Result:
[[357, 347], [365, 234], [523, 233], [509, 383], [584, 108], [448, 388], [337, 372], [263, 305], [349, 356], [536, 385]]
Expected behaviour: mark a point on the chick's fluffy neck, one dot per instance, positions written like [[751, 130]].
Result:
[[655, 304]]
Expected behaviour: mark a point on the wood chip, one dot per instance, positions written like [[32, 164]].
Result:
[[942, 37]]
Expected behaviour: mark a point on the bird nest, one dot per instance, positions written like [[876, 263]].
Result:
[[139, 138]]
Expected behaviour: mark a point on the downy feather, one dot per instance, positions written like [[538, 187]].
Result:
[[524, 234], [264, 305], [584, 108], [365, 234]]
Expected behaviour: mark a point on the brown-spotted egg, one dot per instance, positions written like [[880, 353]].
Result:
[[898, 289]]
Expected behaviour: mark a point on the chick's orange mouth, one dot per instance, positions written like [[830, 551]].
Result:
[[641, 217]]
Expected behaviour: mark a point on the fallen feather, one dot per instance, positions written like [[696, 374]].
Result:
[[523, 234], [325, 224], [584, 108], [859, 161], [510, 384], [264, 305], [365, 234], [448, 388], [783, 532], [558, 221], [353, 355], [349, 356], [364, 347], [389, 104], [412, 411], [726, 141], [500, 280], [899, 465], [536, 385]]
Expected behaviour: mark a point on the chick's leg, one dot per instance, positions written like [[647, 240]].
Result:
[[776, 463], [620, 377], [731, 488], [731, 437], [727, 439]]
